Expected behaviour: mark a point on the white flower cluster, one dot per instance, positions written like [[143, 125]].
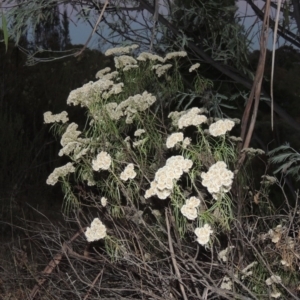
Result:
[[175, 54], [194, 67], [108, 76], [203, 234], [226, 283], [139, 132], [192, 117], [163, 183], [113, 110], [173, 139], [96, 232], [123, 61], [175, 115], [60, 172], [50, 118], [189, 209], [129, 107], [115, 89], [121, 50], [218, 179], [276, 233], [101, 73], [71, 142], [102, 161], [128, 173], [89, 92], [103, 201], [275, 294], [161, 69], [134, 104], [186, 142], [129, 67], [149, 56], [273, 279], [220, 127]]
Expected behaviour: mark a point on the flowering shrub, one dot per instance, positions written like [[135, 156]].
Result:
[[104, 146], [153, 167]]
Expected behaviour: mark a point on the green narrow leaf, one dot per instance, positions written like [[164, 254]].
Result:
[[5, 32]]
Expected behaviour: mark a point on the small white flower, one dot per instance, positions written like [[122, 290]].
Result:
[[149, 56], [128, 173], [226, 283], [192, 117], [273, 279], [60, 172], [220, 127], [103, 201], [161, 69], [102, 72], [173, 139], [189, 212], [139, 132], [194, 67], [175, 54], [121, 50], [203, 234], [218, 179], [275, 294], [102, 161], [186, 142], [193, 202], [50, 118], [96, 232]]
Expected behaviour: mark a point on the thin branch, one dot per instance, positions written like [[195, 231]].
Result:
[[173, 257]]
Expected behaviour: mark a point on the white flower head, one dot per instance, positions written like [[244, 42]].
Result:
[[149, 56], [139, 132], [128, 173], [273, 279], [220, 127], [226, 283], [175, 54], [123, 61], [102, 72], [102, 161], [173, 139], [193, 202], [50, 118], [121, 50], [96, 232], [192, 117], [186, 142], [70, 139], [194, 67], [275, 295], [203, 234], [130, 67], [218, 179], [161, 69], [60, 172], [103, 201], [190, 212]]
